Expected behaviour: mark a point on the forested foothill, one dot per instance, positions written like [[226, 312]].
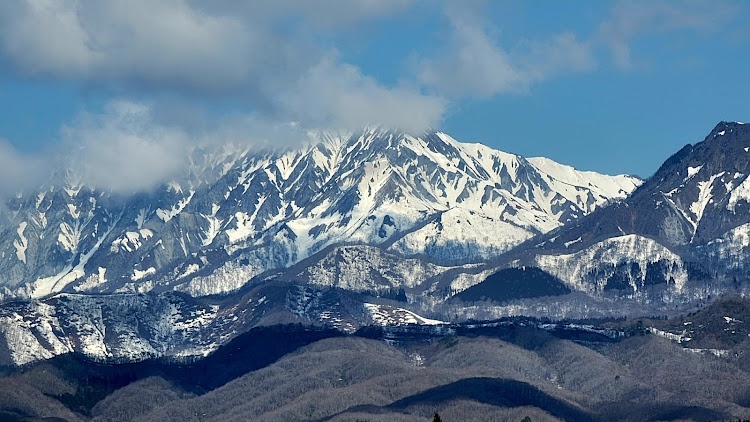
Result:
[[692, 367]]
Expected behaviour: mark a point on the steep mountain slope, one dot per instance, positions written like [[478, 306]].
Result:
[[238, 212], [688, 223]]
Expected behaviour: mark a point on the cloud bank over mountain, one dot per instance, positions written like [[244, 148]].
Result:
[[175, 74]]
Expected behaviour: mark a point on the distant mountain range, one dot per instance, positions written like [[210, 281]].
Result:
[[359, 228]]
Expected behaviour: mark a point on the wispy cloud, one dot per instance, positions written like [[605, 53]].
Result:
[[130, 147], [475, 63], [19, 171], [472, 63], [631, 20], [124, 149], [154, 53]]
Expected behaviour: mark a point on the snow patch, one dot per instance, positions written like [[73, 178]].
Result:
[[92, 281], [131, 241], [719, 353], [462, 235], [679, 338], [740, 193], [243, 227], [69, 236], [384, 315], [730, 320], [572, 242], [138, 274], [140, 218], [21, 244], [692, 171], [190, 270], [73, 211], [214, 225], [574, 184], [45, 286], [704, 196]]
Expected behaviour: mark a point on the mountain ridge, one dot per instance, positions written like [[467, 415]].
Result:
[[240, 213]]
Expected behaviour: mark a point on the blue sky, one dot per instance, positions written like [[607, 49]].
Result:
[[614, 87]]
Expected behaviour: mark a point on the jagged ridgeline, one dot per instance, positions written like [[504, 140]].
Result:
[[240, 212]]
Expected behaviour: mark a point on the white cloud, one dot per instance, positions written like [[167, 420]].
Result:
[[44, 36], [237, 50], [563, 53], [340, 96], [129, 147], [321, 14], [136, 42], [274, 58], [473, 64]]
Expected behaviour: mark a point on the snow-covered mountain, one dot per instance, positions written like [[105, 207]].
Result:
[[240, 212], [374, 227], [688, 223]]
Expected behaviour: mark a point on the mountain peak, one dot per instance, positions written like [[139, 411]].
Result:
[[724, 124], [729, 131]]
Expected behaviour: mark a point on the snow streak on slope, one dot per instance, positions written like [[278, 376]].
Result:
[[740, 193]]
